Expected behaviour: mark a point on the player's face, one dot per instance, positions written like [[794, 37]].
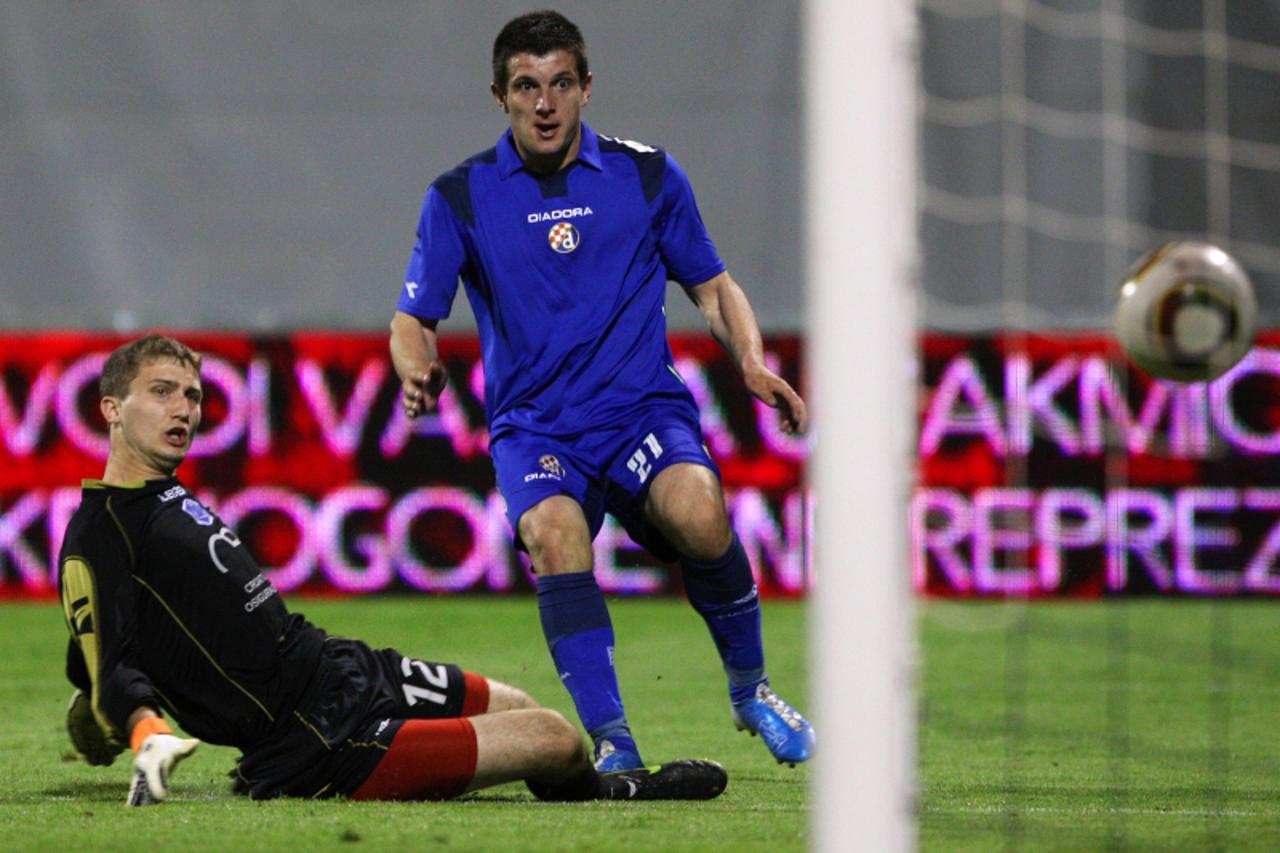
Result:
[[152, 427], [544, 98]]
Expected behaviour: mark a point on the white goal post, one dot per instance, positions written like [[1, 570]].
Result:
[[860, 202]]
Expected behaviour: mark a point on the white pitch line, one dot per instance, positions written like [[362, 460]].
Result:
[[1092, 810]]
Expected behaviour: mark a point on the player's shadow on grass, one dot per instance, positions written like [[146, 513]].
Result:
[[788, 777], [479, 798], [106, 791]]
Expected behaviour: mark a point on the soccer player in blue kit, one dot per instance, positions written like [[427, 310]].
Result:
[[565, 240]]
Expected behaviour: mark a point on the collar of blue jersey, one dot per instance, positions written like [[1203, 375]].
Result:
[[509, 161]]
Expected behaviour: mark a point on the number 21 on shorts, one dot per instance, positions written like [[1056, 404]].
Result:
[[436, 676], [641, 463]]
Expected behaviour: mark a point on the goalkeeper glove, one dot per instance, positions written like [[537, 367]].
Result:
[[86, 735], [158, 753]]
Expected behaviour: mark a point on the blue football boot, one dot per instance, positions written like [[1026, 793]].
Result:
[[784, 731], [610, 759]]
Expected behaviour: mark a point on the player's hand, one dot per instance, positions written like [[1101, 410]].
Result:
[[153, 765], [421, 392], [773, 390], [88, 738]]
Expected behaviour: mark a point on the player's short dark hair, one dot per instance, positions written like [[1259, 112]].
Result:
[[124, 363], [538, 33]]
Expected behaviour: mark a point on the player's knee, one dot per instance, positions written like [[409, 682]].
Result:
[[559, 738], [703, 532], [552, 556], [688, 505], [569, 744], [709, 537], [556, 545]]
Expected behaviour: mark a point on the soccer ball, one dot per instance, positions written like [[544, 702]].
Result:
[[1186, 312]]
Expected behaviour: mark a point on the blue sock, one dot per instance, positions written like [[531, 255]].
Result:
[[724, 593], [579, 634]]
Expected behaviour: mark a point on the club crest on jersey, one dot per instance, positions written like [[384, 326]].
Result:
[[551, 465], [551, 470], [563, 237], [202, 516]]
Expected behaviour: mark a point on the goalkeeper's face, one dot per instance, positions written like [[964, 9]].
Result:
[[152, 427]]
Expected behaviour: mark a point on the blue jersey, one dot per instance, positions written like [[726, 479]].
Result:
[[566, 275]]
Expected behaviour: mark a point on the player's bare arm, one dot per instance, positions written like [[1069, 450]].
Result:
[[732, 322], [415, 356]]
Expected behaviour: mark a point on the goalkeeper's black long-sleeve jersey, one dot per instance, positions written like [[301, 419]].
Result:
[[167, 609]]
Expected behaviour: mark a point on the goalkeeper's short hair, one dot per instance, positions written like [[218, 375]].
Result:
[[123, 364]]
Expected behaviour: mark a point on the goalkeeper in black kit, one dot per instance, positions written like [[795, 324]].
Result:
[[169, 614]]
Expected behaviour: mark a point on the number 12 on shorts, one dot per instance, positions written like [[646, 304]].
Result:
[[436, 676], [640, 463]]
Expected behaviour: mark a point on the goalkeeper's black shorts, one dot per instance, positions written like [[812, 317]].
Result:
[[353, 708]]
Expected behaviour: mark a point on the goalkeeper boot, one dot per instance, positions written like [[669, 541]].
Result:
[[611, 758], [784, 731], [690, 779]]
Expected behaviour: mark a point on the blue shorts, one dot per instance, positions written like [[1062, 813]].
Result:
[[604, 471]]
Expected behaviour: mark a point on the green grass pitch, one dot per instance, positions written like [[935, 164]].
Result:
[[1147, 725], [1125, 725], [670, 677]]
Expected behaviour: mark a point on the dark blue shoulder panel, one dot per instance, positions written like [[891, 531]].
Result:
[[455, 185], [650, 162]]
